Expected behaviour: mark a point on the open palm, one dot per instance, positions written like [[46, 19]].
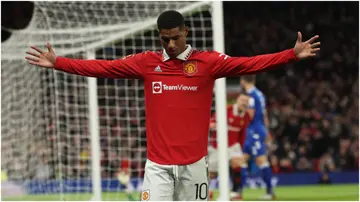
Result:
[[307, 49], [42, 58]]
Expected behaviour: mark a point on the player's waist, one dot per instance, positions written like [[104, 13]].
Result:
[[231, 142], [234, 128], [257, 127], [176, 159], [179, 150]]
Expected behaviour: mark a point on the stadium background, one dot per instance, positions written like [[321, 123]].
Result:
[[313, 105]]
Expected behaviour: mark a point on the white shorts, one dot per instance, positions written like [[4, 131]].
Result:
[[234, 150], [176, 182]]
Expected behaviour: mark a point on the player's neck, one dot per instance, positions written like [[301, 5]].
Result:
[[241, 111], [180, 53], [248, 87]]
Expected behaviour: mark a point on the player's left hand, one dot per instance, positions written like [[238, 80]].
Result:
[[307, 49]]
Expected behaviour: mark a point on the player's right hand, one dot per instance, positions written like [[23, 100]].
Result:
[[42, 58]]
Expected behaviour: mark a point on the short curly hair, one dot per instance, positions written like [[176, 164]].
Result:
[[249, 78], [170, 19]]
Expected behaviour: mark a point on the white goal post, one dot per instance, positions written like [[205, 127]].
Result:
[[76, 129], [220, 102]]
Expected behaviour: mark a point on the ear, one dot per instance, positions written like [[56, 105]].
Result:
[[186, 30]]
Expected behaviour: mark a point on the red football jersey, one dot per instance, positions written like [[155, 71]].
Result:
[[237, 124], [125, 164], [178, 93]]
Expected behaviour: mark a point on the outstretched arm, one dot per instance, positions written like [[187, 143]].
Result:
[[128, 67], [232, 66]]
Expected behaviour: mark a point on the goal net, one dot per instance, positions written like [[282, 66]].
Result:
[[46, 152]]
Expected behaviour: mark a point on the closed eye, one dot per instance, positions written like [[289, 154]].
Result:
[[167, 39]]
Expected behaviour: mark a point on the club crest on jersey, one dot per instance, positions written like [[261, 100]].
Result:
[[145, 195], [241, 123], [190, 68]]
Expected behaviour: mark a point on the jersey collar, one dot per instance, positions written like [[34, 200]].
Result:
[[251, 89], [182, 56]]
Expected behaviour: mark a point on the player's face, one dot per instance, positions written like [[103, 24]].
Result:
[[242, 102], [242, 82], [173, 40]]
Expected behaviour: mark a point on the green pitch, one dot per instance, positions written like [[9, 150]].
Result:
[[285, 193]]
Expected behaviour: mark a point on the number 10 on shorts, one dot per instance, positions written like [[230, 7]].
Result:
[[201, 191]]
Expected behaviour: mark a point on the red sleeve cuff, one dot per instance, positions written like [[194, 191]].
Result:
[[60, 63], [292, 54]]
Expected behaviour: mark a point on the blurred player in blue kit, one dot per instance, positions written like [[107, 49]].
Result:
[[256, 137]]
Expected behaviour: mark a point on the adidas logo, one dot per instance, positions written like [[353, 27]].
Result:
[[158, 69]]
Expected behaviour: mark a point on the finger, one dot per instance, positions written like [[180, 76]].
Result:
[[315, 50], [315, 44], [299, 39], [33, 54], [312, 39], [32, 59], [37, 49], [33, 63], [49, 47]]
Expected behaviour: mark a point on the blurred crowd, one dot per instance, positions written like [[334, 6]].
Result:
[[122, 129], [313, 105]]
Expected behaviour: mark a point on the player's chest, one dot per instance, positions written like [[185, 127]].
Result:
[[177, 76], [236, 121], [190, 70]]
